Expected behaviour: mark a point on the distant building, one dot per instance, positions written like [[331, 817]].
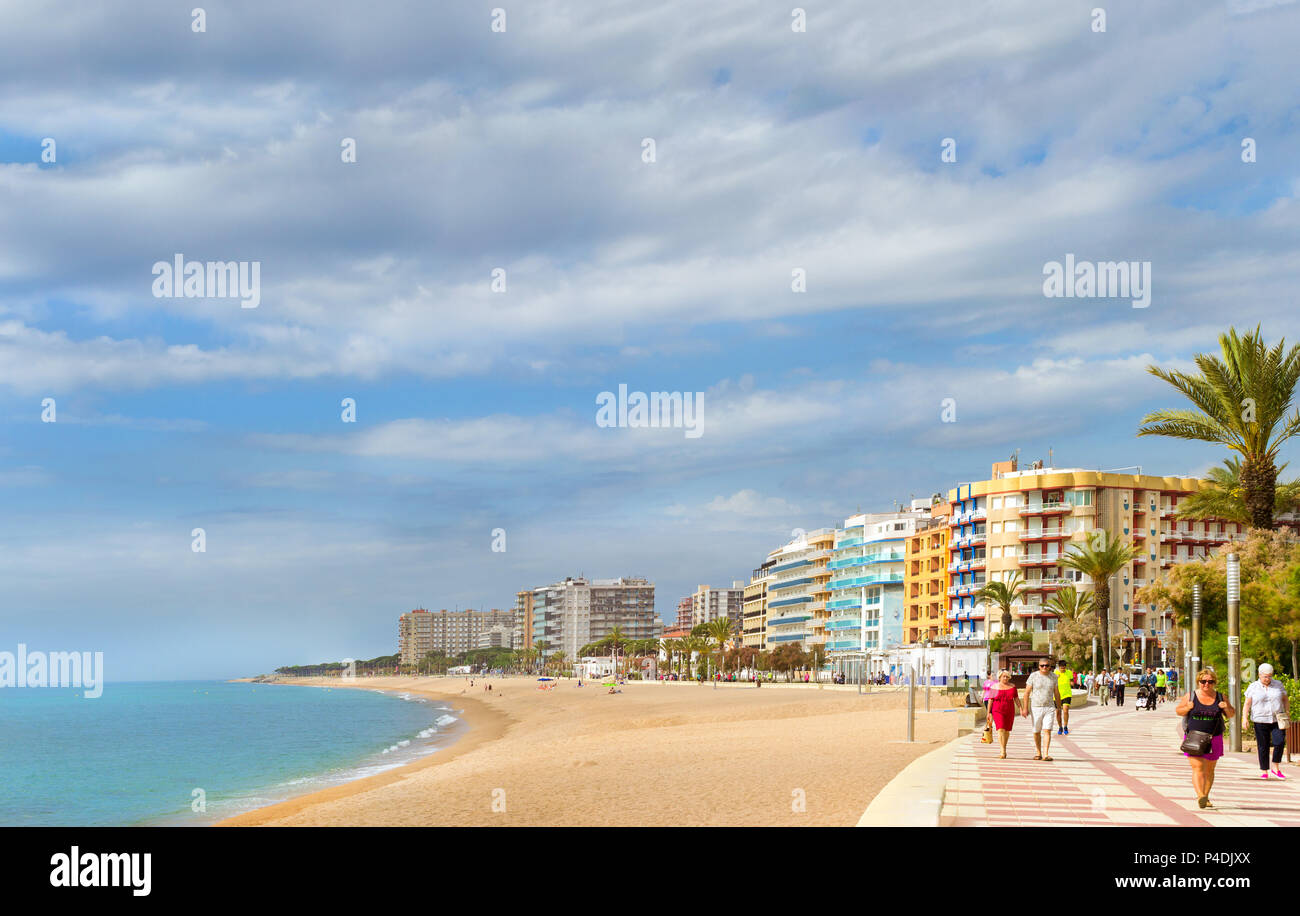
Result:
[[498, 636], [709, 603], [570, 614], [451, 632], [866, 593], [796, 581]]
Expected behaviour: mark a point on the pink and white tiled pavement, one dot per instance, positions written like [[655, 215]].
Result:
[[1118, 767]]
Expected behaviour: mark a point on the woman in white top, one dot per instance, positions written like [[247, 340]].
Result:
[[1266, 699]]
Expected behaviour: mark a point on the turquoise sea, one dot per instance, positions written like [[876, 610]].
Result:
[[136, 754]]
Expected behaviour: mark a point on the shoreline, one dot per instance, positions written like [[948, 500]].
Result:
[[654, 754], [480, 723]]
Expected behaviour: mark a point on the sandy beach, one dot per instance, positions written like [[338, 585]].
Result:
[[653, 755]]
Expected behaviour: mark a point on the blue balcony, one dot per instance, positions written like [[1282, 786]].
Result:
[[786, 619], [792, 637], [789, 583], [787, 566], [844, 623], [802, 599], [860, 581]]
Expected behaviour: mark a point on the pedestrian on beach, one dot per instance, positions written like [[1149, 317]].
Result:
[[990, 684], [1002, 709], [1120, 680], [1205, 710], [1266, 707], [1042, 697], [1065, 681]]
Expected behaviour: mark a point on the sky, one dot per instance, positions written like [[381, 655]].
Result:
[[523, 151]]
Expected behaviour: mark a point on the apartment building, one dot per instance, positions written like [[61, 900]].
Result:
[[868, 561], [570, 614], [1025, 520], [451, 632], [797, 590], [709, 603], [926, 579], [754, 620], [524, 618]]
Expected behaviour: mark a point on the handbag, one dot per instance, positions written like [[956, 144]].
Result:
[[987, 737], [1196, 743]]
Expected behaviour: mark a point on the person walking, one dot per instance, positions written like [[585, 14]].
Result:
[[1042, 697], [1089, 682], [1120, 680], [1205, 710], [1065, 692], [1266, 703], [1162, 684], [1002, 709], [1104, 685]]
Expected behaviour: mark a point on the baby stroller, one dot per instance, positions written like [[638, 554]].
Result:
[[1146, 697]]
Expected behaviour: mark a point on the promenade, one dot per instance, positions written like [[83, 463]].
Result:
[[1118, 767]]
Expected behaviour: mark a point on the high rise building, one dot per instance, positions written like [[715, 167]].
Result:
[[866, 591], [754, 622], [1025, 521], [524, 619], [450, 632], [709, 603], [797, 590], [926, 579], [570, 614]]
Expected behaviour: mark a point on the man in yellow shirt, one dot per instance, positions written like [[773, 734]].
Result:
[[1065, 683]]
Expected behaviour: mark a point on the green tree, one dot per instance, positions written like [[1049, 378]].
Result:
[[1241, 401], [1100, 558], [1069, 603], [719, 631], [1002, 595], [1225, 498]]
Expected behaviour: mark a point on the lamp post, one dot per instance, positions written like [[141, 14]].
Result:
[[1234, 646], [1196, 629]]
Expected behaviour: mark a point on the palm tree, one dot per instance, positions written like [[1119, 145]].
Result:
[[615, 640], [1069, 603], [694, 645], [556, 662], [541, 646], [1241, 401], [1002, 595], [1099, 559], [1226, 498], [719, 631]]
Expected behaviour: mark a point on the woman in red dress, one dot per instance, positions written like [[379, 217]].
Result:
[[1002, 709]]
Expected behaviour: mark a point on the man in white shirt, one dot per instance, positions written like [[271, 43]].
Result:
[[1120, 680], [1266, 699]]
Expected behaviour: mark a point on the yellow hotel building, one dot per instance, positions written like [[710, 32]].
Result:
[[1024, 521]]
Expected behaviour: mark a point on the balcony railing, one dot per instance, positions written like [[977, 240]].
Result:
[[1047, 508], [1036, 534]]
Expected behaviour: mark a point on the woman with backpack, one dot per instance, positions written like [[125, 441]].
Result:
[[1204, 710]]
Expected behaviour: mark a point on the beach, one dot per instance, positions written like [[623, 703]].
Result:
[[656, 754]]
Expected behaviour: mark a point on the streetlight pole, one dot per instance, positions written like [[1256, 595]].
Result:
[[1234, 646], [1196, 632]]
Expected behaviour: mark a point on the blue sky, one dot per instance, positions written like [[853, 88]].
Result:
[[476, 410]]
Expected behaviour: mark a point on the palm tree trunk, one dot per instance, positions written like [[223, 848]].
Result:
[[1006, 620], [1295, 668], [1259, 483], [1101, 589]]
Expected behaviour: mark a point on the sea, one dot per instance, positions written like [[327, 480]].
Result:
[[189, 753]]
